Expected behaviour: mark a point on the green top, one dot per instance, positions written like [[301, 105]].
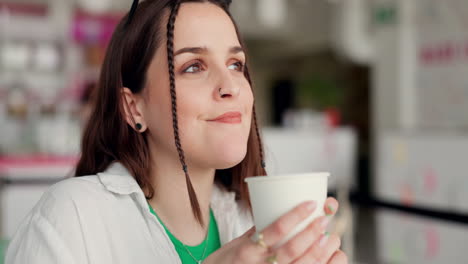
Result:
[[197, 251]]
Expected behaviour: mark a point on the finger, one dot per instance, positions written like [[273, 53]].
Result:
[[297, 246], [321, 251], [339, 258], [328, 245], [249, 252], [281, 227], [331, 206]]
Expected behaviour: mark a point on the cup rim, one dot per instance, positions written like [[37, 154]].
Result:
[[286, 177]]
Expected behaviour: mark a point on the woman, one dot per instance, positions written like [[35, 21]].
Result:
[[146, 199]]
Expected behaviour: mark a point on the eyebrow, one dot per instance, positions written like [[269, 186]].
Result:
[[201, 50]]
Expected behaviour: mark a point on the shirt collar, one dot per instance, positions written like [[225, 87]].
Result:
[[117, 179]]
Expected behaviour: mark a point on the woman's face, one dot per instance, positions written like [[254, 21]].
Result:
[[208, 57]]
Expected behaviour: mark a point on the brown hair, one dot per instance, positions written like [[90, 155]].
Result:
[[107, 136]]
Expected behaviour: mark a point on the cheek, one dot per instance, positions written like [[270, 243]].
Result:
[[158, 113], [191, 107], [247, 98], [191, 111], [215, 145]]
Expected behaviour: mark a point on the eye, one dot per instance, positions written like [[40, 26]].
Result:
[[194, 68], [238, 66]]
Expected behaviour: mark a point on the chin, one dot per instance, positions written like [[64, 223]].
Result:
[[229, 157]]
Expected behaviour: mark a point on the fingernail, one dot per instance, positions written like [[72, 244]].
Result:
[[331, 209], [325, 221], [311, 205], [324, 239]]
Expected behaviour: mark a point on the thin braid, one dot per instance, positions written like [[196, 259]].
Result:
[[132, 12], [170, 57], [260, 145]]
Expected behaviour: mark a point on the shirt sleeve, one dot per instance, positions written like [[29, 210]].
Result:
[[247, 219], [38, 242], [51, 233]]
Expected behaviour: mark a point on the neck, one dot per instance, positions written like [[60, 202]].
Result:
[[171, 199]]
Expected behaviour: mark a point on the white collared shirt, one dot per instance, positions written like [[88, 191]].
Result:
[[104, 218]]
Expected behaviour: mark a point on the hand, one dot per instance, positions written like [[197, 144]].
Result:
[[309, 246]]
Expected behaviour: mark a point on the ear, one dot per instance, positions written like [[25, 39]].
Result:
[[133, 107]]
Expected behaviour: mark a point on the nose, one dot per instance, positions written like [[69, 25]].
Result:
[[226, 87]]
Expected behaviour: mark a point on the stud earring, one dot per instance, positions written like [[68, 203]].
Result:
[[138, 126]]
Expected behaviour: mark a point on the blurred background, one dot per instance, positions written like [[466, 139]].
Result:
[[375, 91]]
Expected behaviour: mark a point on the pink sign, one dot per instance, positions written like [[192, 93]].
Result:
[[94, 29], [444, 53]]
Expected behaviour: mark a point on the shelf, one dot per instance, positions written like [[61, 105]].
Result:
[[444, 215], [35, 168]]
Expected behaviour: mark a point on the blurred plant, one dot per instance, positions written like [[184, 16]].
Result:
[[318, 92]]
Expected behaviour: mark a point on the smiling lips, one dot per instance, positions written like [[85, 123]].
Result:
[[229, 117]]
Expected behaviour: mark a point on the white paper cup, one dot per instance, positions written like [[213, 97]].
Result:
[[273, 196]]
